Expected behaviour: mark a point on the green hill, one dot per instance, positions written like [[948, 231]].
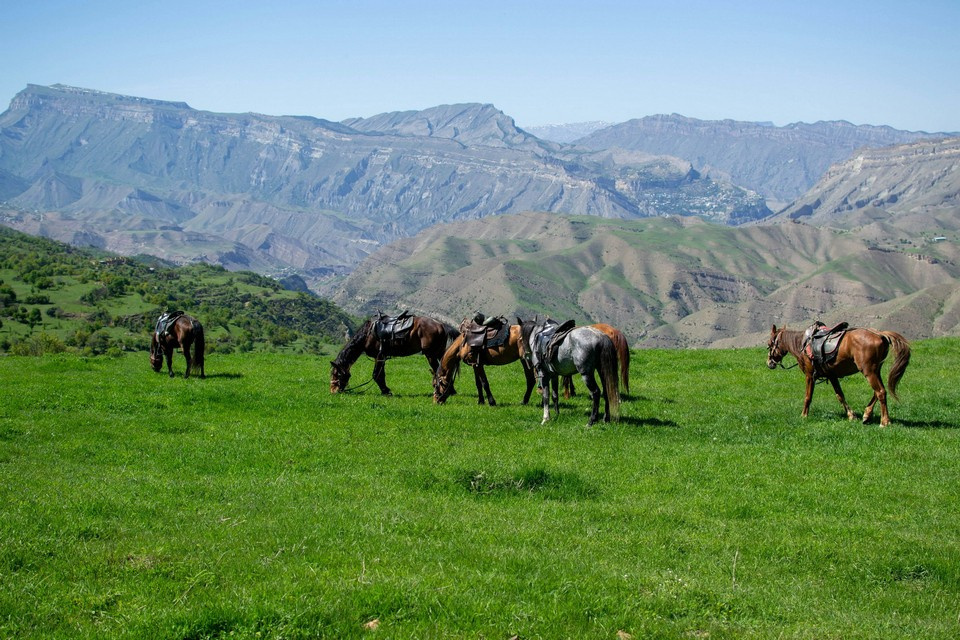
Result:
[[55, 297]]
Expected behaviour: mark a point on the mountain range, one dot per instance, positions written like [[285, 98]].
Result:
[[647, 224], [276, 193]]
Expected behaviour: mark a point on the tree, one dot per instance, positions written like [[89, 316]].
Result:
[[35, 318]]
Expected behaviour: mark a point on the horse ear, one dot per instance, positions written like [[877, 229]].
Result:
[[773, 330]]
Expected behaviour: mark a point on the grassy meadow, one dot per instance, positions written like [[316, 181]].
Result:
[[255, 504]]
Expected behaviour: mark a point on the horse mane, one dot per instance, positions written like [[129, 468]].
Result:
[[354, 347]]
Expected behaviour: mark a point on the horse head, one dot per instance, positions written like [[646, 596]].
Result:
[[442, 386], [339, 377], [775, 348], [156, 354]]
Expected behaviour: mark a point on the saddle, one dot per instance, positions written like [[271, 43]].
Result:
[[391, 330], [165, 321], [820, 344], [488, 334], [548, 341]]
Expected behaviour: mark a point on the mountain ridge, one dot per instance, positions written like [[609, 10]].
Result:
[[779, 162], [329, 192]]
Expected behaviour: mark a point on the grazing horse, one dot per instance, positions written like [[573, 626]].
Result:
[[184, 332], [623, 355], [459, 351], [583, 350], [859, 350], [426, 336]]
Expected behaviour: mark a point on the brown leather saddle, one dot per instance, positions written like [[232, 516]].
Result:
[[492, 333], [821, 343], [165, 321], [392, 330]]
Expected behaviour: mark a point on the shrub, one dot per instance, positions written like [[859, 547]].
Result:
[[37, 345]]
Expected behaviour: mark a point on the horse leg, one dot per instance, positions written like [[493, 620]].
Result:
[[168, 354], [594, 390], [568, 390], [879, 393], [380, 376], [545, 397], [555, 392], [843, 401], [486, 386], [808, 397], [186, 354], [530, 378], [478, 375]]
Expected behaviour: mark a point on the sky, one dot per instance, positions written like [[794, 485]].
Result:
[[878, 62]]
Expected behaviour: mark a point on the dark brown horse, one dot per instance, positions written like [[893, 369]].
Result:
[[186, 333], [426, 336], [623, 355], [860, 350], [459, 351]]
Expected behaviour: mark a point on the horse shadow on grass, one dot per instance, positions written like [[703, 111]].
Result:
[[638, 421], [925, 424], [226, 375]]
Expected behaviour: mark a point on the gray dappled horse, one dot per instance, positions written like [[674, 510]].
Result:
[[583, 350]]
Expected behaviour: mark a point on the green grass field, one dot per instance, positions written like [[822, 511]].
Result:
[[254, 504]]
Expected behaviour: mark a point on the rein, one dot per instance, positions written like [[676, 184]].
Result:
[[357, 386]]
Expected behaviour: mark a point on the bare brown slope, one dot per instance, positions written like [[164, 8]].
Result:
[[664, 282]]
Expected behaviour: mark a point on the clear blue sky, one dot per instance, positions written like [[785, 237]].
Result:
[[869, 62]]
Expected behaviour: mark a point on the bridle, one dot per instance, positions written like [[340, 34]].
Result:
[[774, 350]]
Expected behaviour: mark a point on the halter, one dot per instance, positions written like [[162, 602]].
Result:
[[776, 347]]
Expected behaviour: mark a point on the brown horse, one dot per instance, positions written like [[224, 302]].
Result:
[[427, 336], [623, 355], [860, 350], [459, 350], [185, 332]]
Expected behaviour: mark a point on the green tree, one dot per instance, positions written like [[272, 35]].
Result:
[[35, 318]]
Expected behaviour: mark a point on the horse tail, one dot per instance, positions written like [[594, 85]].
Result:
[[608, 375], [902, 347], [199, 345], [623, 355]]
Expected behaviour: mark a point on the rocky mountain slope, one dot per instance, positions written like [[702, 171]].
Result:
[[304, 194], [781, 163], [665, 282], [914, 188]]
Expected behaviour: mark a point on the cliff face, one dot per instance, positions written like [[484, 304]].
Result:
[[889, 183], [781, 163], [309, 193]]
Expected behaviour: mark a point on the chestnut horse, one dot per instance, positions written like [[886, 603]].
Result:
[[185, 332], [623, 355], [427, 336], [860, 350], [458, 351]]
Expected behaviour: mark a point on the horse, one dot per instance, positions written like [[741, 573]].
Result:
[[459, 351], [860, 350], [426, 336], [184, 332], [583, 350], [623, 355]]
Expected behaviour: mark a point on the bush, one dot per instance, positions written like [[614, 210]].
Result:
[[37, 345]]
